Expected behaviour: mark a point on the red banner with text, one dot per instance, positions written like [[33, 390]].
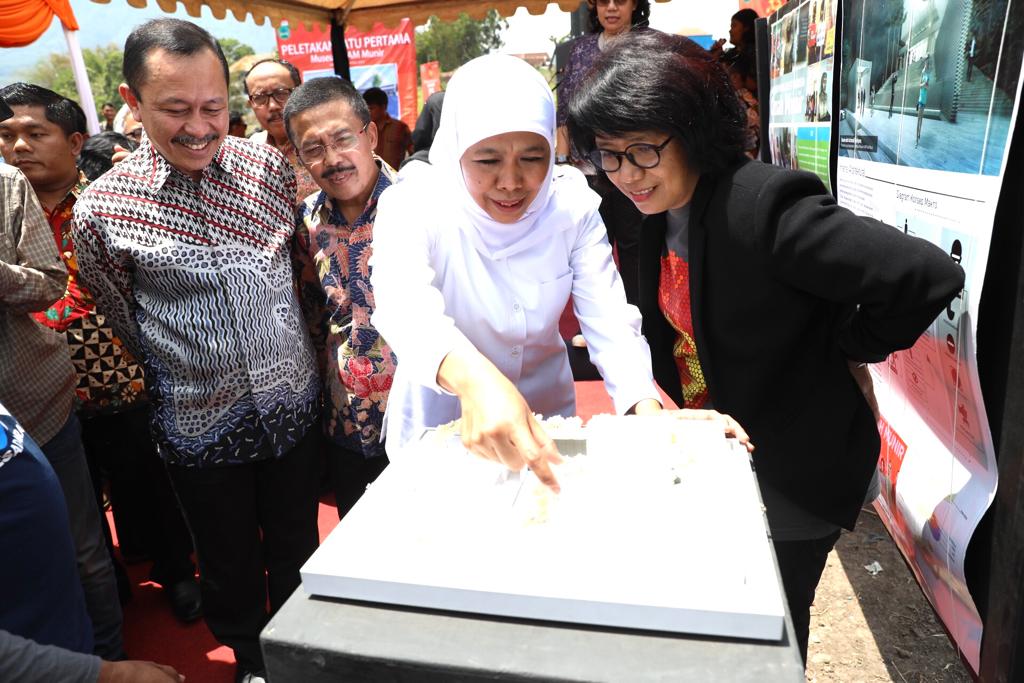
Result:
[[308, 49], [430, 78], [386, 58]]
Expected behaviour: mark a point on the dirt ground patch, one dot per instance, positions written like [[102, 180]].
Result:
[[868, 628]]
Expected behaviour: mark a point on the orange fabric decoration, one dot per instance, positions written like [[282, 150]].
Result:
[[22, 21]]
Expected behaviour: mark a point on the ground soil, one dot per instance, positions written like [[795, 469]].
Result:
[[868, 628]]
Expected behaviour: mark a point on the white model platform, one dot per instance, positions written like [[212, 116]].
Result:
[[658, 527]]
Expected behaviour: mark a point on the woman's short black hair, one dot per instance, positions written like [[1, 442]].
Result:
[[654, 81], [177, 36], [94, 159], [641, 15]]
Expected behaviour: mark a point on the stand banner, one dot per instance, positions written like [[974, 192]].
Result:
[[801, 57], [309, 50], [386, 58], [430, 78], [928, 97]]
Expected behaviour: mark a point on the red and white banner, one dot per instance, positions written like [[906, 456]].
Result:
[[430, 78], [308, 49], [386, 58]]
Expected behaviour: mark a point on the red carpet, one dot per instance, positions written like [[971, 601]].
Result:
[[152, 633]]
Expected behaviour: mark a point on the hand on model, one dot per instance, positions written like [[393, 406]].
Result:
[[732, 428], [137, 672], [497, 424]]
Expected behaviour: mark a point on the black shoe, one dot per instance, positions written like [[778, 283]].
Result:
[[186, 601]]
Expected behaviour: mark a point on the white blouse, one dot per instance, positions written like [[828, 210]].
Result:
[[434, 292]]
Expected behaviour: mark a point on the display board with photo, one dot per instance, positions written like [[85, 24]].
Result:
[[929, 93], [801, 61]]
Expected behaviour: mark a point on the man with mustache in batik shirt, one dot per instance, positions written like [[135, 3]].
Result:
[[329, 123], [186, 247]]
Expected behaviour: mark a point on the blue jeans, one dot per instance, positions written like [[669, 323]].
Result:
[[67, 457]]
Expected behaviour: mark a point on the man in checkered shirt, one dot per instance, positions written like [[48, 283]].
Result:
[[185, 246]]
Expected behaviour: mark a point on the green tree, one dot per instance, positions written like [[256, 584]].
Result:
[[453, 43], [103, 64], [235, 50]]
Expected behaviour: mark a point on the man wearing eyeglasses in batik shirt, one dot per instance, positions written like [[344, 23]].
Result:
[[329, 124], [268, 84]]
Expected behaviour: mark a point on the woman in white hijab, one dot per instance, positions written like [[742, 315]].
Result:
[[474, 261]]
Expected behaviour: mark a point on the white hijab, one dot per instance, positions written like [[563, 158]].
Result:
[[489, 96]]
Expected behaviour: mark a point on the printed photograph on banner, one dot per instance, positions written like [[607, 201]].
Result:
[[800, 97], [820, 27], [924, 84], [383, 76]]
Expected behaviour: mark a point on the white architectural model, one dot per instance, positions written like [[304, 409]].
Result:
[[658, 526]]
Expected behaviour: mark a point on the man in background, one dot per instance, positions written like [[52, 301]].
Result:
[[268, 84], [236, 125], [109, 111], [330, 126], [394, 139]]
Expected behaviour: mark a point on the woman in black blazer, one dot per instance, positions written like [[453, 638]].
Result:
[[761, 298]]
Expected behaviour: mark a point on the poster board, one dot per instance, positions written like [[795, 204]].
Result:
[[929, 96], [802, 58], [307, 48], [385, 57]]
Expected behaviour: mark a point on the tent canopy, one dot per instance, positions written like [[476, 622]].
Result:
[[361, 14]]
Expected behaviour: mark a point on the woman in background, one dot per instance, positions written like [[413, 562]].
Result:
[[609, 21]]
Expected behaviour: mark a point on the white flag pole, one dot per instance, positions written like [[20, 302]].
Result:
[[82, 81]]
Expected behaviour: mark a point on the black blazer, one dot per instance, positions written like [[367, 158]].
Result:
[[785, 287]]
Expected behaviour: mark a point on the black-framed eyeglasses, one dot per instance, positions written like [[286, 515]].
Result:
[[605, 3], [135, 134], [640, 154], [280, 96], [343, 142]]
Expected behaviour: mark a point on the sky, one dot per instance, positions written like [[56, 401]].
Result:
[[111, 23]]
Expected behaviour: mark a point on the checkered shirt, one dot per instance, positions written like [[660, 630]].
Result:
[[37, 380]]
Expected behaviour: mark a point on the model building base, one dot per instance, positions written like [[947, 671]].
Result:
[[659, 526]]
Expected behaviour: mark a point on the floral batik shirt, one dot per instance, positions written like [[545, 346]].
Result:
[[109, 378], [332, 258]]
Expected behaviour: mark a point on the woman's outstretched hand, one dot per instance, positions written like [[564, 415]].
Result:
[[732, 428], [497, 424]]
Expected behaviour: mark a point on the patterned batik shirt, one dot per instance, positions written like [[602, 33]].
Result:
[[195, 277], [332, 258], [109, 378]]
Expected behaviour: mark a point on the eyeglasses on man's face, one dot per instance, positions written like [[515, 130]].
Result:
[[311, 155], [280, 95], [640, 154], [605, 3]]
